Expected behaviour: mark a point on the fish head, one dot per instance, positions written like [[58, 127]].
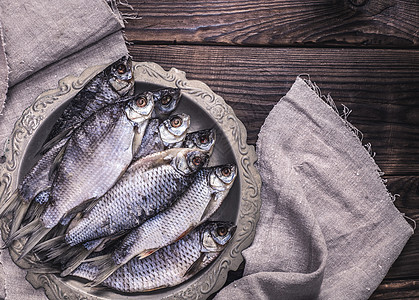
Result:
[[173, 130], [140, 107], [121, 76], [202, 139], [165, 101], [216, 235], [222, 177], [189, 161]]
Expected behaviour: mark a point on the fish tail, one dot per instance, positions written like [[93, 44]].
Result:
[[23, 231], [38, 234], [50, 244], [19, 215], [10, 204], [34, 211], [78, 255], [106, 266]]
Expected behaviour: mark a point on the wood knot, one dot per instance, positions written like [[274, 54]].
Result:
[[358, 3]]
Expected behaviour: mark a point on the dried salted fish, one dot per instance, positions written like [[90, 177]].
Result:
[[37, 183], [149, 186], [108, 87], [164, 135], [170, 265], [106, 136], [195, 206]]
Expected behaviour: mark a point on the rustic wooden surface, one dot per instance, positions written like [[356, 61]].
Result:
[[365, 53]]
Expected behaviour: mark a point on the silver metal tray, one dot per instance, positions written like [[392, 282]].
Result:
[[207, 110]]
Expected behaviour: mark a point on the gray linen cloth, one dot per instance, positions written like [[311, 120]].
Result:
[[45, 41], [328, 227]]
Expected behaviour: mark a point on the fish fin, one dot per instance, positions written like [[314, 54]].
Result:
[[20, 213], [210, 209], [35, 238], [78, 255], [99, 258], [146, 253], [57, 161], [156, 288], [52, 142], [185, 233], [106, 267], [10, 204], [153, 160], [196, 266]]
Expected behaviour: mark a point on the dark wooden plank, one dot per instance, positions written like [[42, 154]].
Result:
[[380, 23], [380, 86], [407, 189], [407, 264], [400, 289]]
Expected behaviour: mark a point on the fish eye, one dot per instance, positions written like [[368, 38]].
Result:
[[121, 68], [197, 161], [166, 99], [141, 102], [226, 171], [222, 231], [203, 139], [176, 122]]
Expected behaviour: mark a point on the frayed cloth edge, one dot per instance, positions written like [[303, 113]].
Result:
[[344, 114]]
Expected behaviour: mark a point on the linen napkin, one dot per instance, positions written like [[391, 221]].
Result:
[[328, 227], [41, 34], [44, 41]]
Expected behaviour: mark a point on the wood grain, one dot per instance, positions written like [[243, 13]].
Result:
[[407, 264], [407, 190], [400, 289], [380, 86], [361, 23]]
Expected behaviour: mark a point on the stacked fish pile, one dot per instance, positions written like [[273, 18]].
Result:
[[121, 195]]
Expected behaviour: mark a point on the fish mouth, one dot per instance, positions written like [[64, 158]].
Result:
[[122, 87]]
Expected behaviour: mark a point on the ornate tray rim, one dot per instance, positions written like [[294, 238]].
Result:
[[150, 73]]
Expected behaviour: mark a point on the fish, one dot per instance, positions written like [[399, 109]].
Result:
[[82, 176], [195, 206], [203, 139], [160, 136], [37, 182], [34, 184], [107, 87], [169, 266], [148, 186]]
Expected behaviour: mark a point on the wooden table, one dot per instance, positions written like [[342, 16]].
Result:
[[364, 53]]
